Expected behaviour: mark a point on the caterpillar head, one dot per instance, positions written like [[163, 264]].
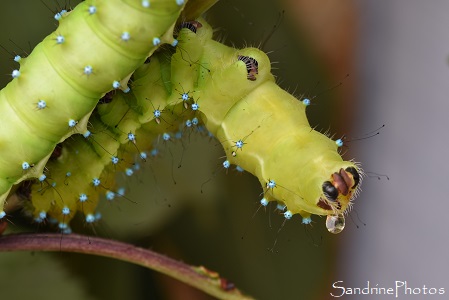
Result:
[[315, 186], [337, 193]]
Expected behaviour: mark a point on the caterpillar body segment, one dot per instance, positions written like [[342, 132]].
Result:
[[120, 134], [96, 48]]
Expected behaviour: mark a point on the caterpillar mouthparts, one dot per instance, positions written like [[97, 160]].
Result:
[[338, 193]]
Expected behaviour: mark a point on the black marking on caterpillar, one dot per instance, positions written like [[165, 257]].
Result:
[[191, 25], [252, 66]]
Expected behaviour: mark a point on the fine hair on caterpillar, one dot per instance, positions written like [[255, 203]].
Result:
[[202, 86], [344, 140], [329, 207], [83, 70]]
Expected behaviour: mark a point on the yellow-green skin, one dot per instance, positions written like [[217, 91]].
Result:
[[90, 158], [279, 143], [55, 73]]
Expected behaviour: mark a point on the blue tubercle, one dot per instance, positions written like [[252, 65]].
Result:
[[339, 143], [90, 218], [306, 221], [125, 36], [281, 207], [131, 137], [42, 216], [121, 191], [65, 210], [115, 84], [88, 70], [129, 172], [156, 41], [92, 10], [195, 106], [41, 104], [166, 136], [185, 96], [226, 164], [60, 39], [72, 123], [143, 155], [239, 144], [58, 16], [87, 134], [288, 215], [157, 113], [110, 195], [96, 182], [114, 160], [15, 73], [154, 152], [98, 216]]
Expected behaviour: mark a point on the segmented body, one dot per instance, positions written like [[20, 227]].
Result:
[[57, 87], [263, 129]]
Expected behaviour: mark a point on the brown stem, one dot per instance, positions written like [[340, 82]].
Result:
[[199, 277]]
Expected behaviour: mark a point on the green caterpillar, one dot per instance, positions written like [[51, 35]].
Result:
[[263, 129], [95, 49]]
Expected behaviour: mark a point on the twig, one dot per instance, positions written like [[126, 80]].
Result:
[[199, 277]]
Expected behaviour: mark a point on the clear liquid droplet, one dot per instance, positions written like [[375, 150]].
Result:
[[335, 223]]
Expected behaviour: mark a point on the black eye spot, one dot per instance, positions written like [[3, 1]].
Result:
[[355, 175], [252, 66], [192, 25], [330, 191]]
